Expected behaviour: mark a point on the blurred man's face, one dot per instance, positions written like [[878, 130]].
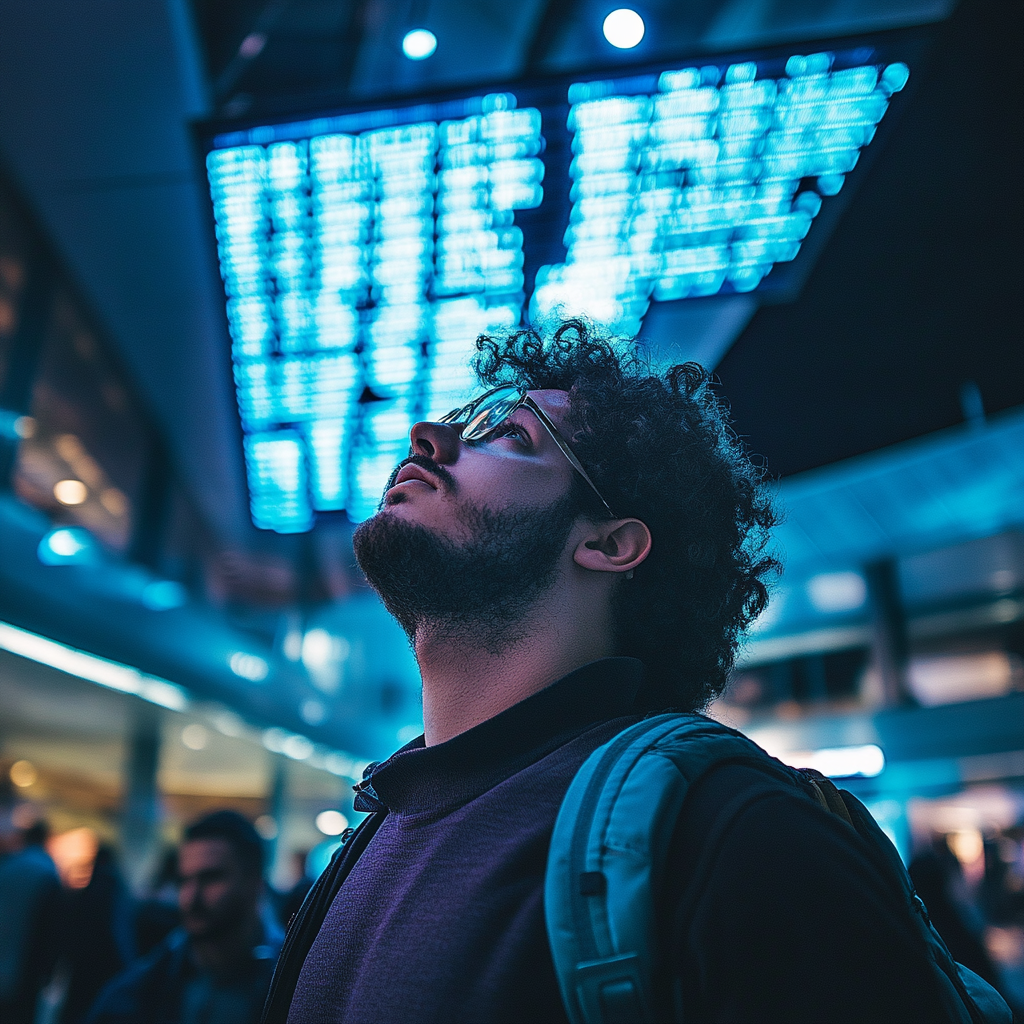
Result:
[[216, 894]]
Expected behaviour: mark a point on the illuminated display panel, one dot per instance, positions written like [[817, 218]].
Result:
[[362, 253]]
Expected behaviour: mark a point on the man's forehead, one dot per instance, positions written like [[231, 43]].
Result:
[[554, 403], [199, 854]]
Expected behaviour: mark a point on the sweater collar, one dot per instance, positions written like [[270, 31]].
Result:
[[418, 778]]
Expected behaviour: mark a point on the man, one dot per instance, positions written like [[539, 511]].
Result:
[[216, 968], [566, 556], [29, 902]]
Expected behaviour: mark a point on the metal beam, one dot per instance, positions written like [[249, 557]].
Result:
[[554, 17], [252, 45]]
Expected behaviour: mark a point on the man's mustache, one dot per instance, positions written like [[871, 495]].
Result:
[[442, 475]]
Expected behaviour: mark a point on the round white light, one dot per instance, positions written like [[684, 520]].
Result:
[[317, 649], [623, 28], [249, 666], [837, 591], [312, 712], [266, 826], [195, 736], [25, 426], [24, 774], [66, 543], [298, 748], [70, 492], [419, 44], [331, 823]]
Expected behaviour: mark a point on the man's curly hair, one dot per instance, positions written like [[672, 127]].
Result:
[[660, 448]]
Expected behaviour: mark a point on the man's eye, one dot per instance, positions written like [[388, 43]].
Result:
[[513, 430]]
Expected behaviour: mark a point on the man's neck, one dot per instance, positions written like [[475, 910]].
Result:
[[466, 682]]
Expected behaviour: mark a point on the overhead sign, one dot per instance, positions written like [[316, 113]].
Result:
[[362, 253]]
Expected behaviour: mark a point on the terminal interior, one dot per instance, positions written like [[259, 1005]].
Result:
[[185, 449]]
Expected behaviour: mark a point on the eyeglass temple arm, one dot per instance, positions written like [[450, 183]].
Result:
[[565, 449]]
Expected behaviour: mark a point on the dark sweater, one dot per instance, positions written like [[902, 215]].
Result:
[[441, 918]]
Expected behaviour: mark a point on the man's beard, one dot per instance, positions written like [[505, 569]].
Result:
[[476, 592]]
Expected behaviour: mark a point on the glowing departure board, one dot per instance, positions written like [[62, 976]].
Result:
[[359, 269], [363, 253], [706, 183]]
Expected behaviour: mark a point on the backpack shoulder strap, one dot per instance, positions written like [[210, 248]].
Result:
[[608, 838]]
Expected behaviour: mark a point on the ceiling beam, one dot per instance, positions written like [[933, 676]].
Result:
[[252, 45], [555, 15]]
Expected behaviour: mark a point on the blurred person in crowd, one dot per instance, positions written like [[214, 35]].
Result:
[[216, 968], [939, 881], [577, 548], [156, 913], [96, 935], [1002, 889], [290, 900], [29, 901]]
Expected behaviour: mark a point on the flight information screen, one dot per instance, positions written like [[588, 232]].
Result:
[[363, 251]]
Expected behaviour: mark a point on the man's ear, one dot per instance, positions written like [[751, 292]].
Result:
[[619, 545]]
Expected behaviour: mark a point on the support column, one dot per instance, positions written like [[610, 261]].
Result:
[[140, 810], [277, 808], [890, 649]]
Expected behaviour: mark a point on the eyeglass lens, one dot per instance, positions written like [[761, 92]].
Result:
[[491, 413], [487, 413]]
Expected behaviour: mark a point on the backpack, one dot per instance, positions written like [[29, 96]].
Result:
[[611, 838]]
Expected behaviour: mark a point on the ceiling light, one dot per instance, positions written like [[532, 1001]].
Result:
[[419, 44], [70, 492], [837, 591], [318, 649], [195, 736], [266, 826], [840, 762], [67, 545], [312, 712], [23, 774], [252, 45], [249, 666], [623, 28], [87, 666], [297, 747], [162, 595]]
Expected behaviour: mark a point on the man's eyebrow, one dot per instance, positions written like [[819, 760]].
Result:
[[527, 418]]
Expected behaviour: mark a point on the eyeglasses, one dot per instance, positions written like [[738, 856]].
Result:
[[479, 420]]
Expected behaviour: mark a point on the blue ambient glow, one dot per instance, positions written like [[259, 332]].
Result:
[[359, 269], [68, 545], [706, 184]]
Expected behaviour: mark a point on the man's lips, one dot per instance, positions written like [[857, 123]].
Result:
[[411, 471]]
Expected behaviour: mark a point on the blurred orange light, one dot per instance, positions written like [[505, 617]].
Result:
[[24, 774]]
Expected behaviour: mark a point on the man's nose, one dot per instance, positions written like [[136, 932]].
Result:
[[437, 441]]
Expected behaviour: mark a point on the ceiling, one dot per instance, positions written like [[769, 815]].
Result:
[[916, 292]]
